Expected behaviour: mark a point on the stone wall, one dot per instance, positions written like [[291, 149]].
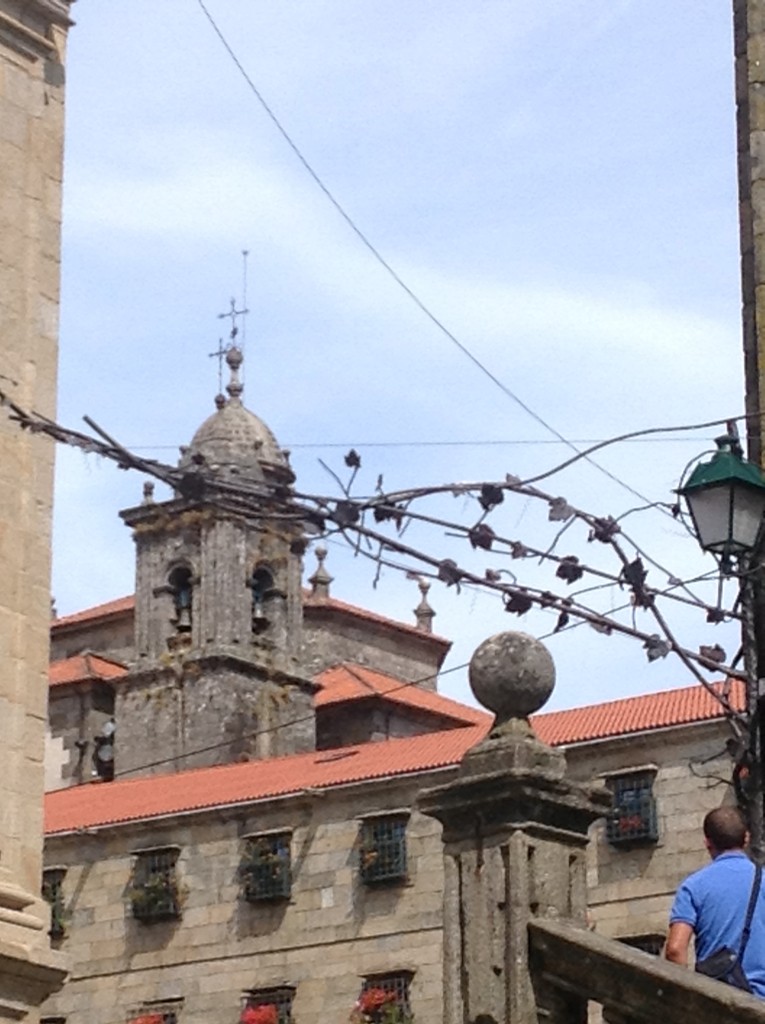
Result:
[[32, 43], [332, 636], [631, 887], [111, 636], [78, 712], [371, 720], [333, 931], [225, 709]]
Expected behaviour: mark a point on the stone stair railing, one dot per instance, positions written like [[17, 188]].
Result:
[[572, 968]]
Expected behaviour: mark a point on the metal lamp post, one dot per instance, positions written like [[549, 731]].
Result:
[[726, 501]]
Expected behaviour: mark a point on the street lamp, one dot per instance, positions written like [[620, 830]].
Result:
[[726, 500]]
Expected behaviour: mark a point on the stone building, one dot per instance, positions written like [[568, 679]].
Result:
[[234, 760], [32, 47]]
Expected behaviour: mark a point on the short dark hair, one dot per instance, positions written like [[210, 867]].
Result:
[[725, 828]]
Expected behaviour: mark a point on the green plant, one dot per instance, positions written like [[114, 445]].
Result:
[[265, 869], [156, 899]]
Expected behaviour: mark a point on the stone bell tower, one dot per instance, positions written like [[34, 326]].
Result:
[[218, 605]]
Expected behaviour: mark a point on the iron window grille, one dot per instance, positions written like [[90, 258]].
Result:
[[53, 893], [397, 1007], [633, 819], [266, 868], [383, 850], [165, 1012], [155, 894], [652, 943], [280, 998]]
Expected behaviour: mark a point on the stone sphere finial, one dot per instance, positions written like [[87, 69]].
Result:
[[512, 674], [234, 358]]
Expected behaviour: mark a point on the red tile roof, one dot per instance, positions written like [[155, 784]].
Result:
[[82, 667], [120, 606], [634, 714], [346, 682], [122, 801], [90, 806]]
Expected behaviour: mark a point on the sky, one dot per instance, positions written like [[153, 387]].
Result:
[[555, 182]]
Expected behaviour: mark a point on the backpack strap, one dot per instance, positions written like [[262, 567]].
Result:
[[750, 911]]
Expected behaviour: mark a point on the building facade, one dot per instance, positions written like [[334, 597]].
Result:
[[234, 762]]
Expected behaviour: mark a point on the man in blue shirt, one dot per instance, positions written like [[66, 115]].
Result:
[[711, 903]]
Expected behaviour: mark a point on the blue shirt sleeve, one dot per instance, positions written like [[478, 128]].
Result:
[[684, 907]]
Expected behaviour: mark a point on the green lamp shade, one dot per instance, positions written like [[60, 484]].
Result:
[[726, 499]]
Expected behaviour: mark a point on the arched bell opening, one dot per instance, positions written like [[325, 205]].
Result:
[[180, 584], [263, 592]]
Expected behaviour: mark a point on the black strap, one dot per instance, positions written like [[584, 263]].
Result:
[[750, 911]]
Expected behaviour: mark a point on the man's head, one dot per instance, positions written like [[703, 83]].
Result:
[[724, 829]]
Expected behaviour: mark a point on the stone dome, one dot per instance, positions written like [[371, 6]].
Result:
[[234, 442]]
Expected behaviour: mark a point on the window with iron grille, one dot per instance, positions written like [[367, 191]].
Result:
[[382, 855], [155, 893], [384, 998], [265, 868], [653, 943], [53, 893], [633, 819], [268, 1006], [164, 1012], [52, 1020]]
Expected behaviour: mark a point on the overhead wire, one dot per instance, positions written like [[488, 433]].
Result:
[[270, 730], [520, 442], [375, 252]]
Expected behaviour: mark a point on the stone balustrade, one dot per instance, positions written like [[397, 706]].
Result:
[[572, 968]]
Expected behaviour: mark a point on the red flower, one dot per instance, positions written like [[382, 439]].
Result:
[[372, 999], [266, 1013], [148, 1018]]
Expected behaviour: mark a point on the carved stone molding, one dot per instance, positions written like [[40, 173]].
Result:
[[26, 26], [27, 977]]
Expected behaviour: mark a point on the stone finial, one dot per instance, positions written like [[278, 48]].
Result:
[[512, 674], [220, 401], [423, 613], [321, 579], [234, 359], [148, 493]]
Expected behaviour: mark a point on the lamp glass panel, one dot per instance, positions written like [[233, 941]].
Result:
[[710, 508], [748, 507]]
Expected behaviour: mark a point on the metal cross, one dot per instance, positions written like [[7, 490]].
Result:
[[220, 353], [232, 314]]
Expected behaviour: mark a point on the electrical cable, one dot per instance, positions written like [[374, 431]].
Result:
[[525, 442], [375, 252]]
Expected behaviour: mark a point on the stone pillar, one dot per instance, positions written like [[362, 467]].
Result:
[[749, 41], [32, 41], [514, 832]]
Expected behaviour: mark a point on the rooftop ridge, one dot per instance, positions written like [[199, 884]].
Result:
[[387, 687], [123, 605]]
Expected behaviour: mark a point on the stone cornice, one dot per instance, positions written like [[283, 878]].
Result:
[[26, 27], [140, 673], [56, 11], [27, 976]]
